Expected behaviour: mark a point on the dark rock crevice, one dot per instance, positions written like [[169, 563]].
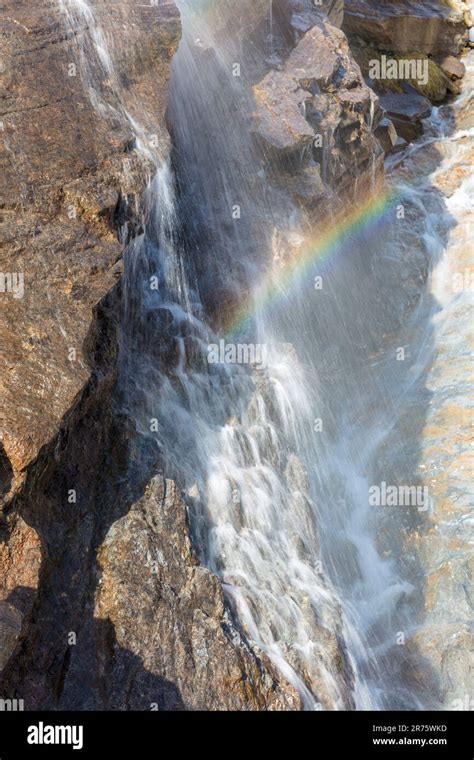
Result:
[[91, 492]]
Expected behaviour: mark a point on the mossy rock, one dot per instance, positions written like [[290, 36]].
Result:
[[436, 88]]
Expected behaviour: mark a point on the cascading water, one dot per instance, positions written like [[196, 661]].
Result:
[[96, 60], [236, 440], [279, 506]]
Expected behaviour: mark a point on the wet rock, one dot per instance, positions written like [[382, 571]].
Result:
[[279, 118], [445, 637], [121, 615], [296, 17], [448, 648], [407, 25], [307, 186], [387, 135], [319, 109], [318, 72], [406, 110], [395, 72], [64, 167], [169, 612], [452, 67]]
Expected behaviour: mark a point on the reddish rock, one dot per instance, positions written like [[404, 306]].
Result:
[[452, 67], [405, 26], [64, 168]]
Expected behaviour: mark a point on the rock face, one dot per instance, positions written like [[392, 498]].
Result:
[[318, 112], [67, 173], [296, 17], [169, 611], [445, 637], [103, 604], [69, 578], [405, 26], [122, 616], [70, 176]]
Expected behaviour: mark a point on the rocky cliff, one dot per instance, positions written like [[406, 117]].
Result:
[[104, 604], [67, 168], [83, 127]]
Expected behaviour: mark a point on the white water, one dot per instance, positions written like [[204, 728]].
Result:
[[279, 512], [96, 67]]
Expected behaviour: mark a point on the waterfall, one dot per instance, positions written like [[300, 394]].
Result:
[[238, 440], [279, 508], [99, 74], [80, 10]]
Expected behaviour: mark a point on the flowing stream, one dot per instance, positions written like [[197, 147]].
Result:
[[276, 460]]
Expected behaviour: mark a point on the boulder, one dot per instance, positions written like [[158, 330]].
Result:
[[279, 117], [403, 26], [451, 66], [387, 135], [406, 110], [319, 109]]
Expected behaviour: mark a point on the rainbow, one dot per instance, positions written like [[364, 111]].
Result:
[[322, 250]]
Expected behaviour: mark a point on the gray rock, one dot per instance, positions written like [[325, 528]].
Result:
[[296, 17], [387, 134], [320, 98], [406, 110]]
